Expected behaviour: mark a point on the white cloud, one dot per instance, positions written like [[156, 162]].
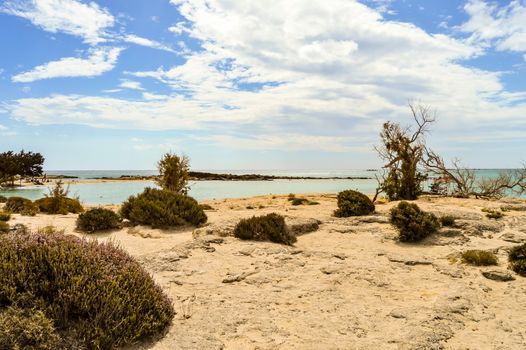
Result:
[[130, 84], [147, 42], [100, 61], [502, 26], [3, 127], [150, 96], [86, 20]]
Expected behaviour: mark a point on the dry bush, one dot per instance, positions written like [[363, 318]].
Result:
[[479, 257]]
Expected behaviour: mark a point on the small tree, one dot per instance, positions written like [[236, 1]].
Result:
[[174, 173], [403, 150]]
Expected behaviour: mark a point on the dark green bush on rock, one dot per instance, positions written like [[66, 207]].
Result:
[[98, 219], [517, 259], [269, 227], [27, 329], [63, 205], [92, 291], [412, 223], [353, 203], [20, 205], [161, 208]]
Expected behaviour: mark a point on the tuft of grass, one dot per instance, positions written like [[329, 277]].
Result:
[[517, 259], [93, 292], [98, 219], [447, 220], [48, 230], [5, 216], [412, 223], [269, 227], [479, 257]]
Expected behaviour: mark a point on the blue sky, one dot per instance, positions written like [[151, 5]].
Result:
[[259, 84]]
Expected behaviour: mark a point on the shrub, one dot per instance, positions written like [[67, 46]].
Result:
[[353, 203], [493, 214], [3, 199], [63, 205], [21, 205], [92, 291], [299, 201], [447, 220], [479, 258], [5, 216], [4, 227], [413, 224], [269, 227], [27, 329], [160, 208], [517, 259], [98, 219], [47, 230], [173, 170]]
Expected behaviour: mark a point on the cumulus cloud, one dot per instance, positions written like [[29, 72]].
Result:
[[289, 74], [100, 60], [86, 20]]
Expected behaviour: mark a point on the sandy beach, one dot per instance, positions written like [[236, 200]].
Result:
[[347, 285]]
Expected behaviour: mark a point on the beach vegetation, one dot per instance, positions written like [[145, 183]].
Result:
[[21, 205], [206, 207], [299, 201], [447, 220], [3, 199], [161, 209], [98, 219], [5, 216], [174, 173], [93, 292], [47, 230], [413, 224], [493, 213], [22, 164], [402, 149], [58, 202], [479, 257], [353, 203], [4, 227], [517, 259], [270, 227]]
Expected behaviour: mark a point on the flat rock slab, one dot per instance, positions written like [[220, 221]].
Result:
[[409, 261], [498, 275]]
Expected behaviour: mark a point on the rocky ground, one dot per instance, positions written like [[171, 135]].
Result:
[[346, 284]]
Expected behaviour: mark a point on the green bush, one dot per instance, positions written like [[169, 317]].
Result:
[[19, 205], [479, 257], [517, 259], [5, 216], [4, 227], [98, 219], [412, 223], [269, 227], [299, 201], [27, 329], [447, 220], [353, 203], [62, 205], [160, 208], [3, 199], [94, 292]]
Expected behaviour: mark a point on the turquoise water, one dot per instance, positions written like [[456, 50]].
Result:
[[117, 192]]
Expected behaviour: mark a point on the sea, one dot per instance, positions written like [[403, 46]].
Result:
[[117, 192]]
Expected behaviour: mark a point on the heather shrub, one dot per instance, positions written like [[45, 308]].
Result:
[[269, 227], [98, 219], [353, 203], [5, 216], [27, 329], [160, 208], [4, 227], [94, 292], [412, 223], [21, 205], [517, 259], [447, 220], [479, 257]]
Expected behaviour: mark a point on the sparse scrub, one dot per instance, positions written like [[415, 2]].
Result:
[[206, 207], [27, 329], [4, 227], [299, 201], [93, 292], [173, 170], [479, 258], [159, 208], [5, 216], [49, 230], [447, 220], [412, 223], [98, 219], [57, 202], [269, 227], [3, 199], [517, 259], [353, 203], [493, 213], [21, 205]]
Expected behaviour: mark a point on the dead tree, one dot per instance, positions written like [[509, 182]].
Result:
[[402, 149]]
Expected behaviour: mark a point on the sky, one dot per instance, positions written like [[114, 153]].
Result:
[[241, 84]]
